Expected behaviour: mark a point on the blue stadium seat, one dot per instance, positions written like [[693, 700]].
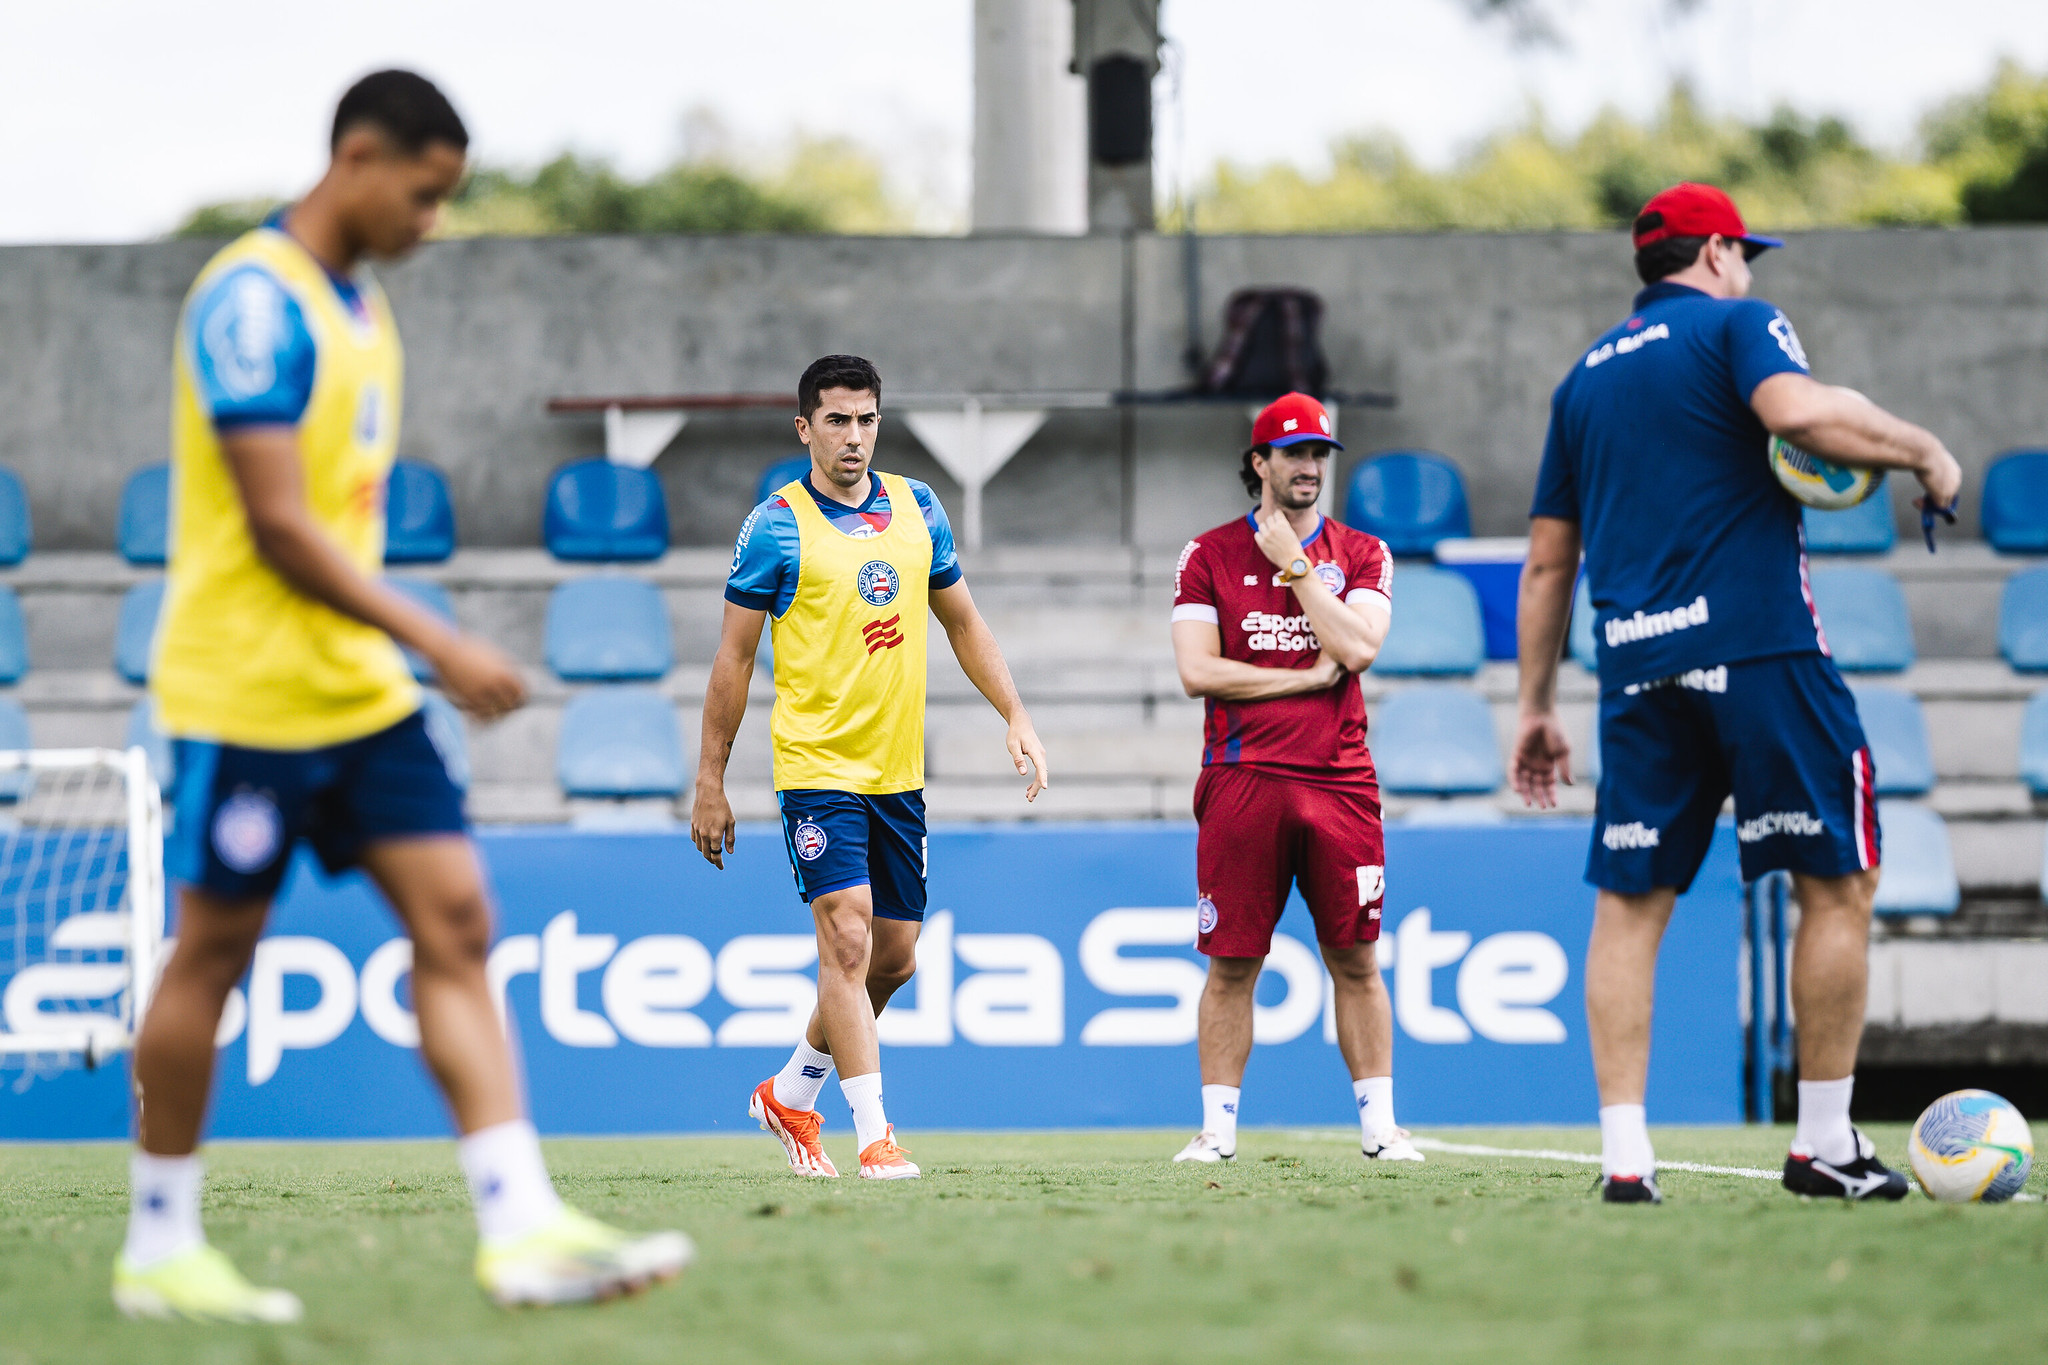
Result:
[[608, 629], [1435, 741], [13, 639], [620, 742], [780, 473], [1919, 872], [1897, 731], [2034, 744], [135, 630], [14, 735], [1436, 628], [144, 731], [1865, 529], [2023, 621], [145, 526], [2015, 506], [1411, 499], [431, 595], [445, 729], [1863, 612], [419, 516], [15, 532], [1583, 646], [597, 510]]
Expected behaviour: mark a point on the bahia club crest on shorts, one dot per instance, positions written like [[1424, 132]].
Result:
[[1262, 835]]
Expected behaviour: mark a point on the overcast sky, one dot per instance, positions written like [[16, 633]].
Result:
[[118, 116]]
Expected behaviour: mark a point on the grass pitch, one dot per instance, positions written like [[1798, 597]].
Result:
[[1060, 1248]]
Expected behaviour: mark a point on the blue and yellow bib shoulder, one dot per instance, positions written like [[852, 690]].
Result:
[[269, 337], [850, 653]]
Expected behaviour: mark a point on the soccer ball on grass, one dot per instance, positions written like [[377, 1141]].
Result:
[[1971, 1147]]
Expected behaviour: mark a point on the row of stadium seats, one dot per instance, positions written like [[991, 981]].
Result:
[[599, 511], [1439, 629], [594, 511], [1414, 500]]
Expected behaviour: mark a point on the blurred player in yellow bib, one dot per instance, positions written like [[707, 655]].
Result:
[[847, 562], [295, 718]]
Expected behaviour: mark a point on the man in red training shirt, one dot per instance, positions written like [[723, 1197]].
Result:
[[1274, 613]]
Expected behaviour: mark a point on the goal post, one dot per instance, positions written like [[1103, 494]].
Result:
[[81, 904]]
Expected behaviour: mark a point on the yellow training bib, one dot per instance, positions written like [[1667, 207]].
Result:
[[850, 653], [240, 655]]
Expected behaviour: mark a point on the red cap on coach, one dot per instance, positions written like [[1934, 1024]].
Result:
[[1690, 210], [1293, 418]]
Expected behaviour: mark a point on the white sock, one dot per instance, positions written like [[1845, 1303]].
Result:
[[1375, 1096], [508, 1180], [1824, 1129], [1219, 1114], [802, 1077], [864, 1097], [163, 1207], [1625, 1141]]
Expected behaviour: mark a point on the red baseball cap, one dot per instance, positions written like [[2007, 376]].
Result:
[[1690, 210], [1291, 419]]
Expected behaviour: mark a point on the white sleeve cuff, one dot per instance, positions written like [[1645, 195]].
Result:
[[1196, 611], [1357, 595]]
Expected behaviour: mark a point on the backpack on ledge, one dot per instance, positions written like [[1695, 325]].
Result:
[[1271, 345]]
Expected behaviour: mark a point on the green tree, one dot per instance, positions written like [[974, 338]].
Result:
[[1996, 143], [821, 185], [1791, 171], [230, 219]]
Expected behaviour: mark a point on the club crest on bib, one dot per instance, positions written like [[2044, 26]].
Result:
[[809, 840], [1205, 915], [878, 583], [1333, 578], [247, 831]]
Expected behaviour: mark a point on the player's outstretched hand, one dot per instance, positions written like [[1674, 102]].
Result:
[[1024, 745], [1543, 756], [711, 824], [478, 678], [1941, 476]]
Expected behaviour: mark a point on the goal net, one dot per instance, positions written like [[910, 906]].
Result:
[[81, 905]]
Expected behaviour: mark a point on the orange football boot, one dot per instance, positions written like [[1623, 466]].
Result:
[[882, 1159], [797, 1129]]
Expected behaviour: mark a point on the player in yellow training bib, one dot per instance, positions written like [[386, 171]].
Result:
[[295, 718], [846, 562]]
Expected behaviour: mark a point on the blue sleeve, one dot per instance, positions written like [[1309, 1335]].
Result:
[[946, 569], [765, 560], [252, 353], [1557, 483], [1761, 343]]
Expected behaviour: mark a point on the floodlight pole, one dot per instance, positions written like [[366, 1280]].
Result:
[[1116, 46]]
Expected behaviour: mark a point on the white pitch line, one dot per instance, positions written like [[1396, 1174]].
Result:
[[1583, 1158]]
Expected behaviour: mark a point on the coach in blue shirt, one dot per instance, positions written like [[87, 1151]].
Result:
[[1715, 678]]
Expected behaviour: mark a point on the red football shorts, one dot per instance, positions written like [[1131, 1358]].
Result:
[[1261, 835]]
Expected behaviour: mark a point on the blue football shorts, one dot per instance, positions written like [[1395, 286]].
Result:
[[1780, 734], [841, 839], [238, 812]]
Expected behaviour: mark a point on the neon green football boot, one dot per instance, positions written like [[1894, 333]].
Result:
[[200, 1284], [574, 1259]]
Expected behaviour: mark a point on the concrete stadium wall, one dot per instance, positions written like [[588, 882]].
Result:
[[1949, 328]]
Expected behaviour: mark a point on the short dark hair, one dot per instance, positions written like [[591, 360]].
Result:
[[835, 372], [1667, 257], [1252, 482], [404, 106]]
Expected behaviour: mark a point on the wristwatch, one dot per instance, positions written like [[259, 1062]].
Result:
[[1296, 569]]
